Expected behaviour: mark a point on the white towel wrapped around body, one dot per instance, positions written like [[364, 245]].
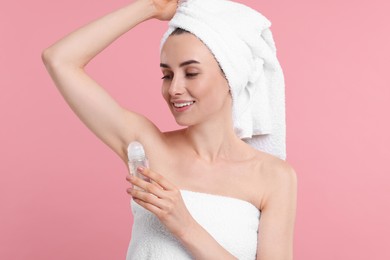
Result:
[[232, 222], [242, 43]]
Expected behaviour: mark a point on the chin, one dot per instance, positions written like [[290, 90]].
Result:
[[184, 121]]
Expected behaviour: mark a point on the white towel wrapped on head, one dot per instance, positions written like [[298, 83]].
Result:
[[242, 43]]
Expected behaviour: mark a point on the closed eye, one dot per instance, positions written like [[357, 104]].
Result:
[[190, 75]]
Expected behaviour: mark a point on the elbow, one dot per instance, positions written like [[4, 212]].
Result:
[[50, 61], [54, 60], [44, 56], [47, 56]]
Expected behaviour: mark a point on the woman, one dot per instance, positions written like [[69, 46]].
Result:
[[206, 158]]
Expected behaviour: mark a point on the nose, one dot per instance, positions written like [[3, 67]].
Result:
[[176, 87]]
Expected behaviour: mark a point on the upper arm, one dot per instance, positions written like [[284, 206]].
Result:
[[110, 122], [276, 226]]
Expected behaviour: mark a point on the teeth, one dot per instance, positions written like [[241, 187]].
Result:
[[183, 104]]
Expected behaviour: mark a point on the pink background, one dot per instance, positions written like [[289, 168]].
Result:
[[63, 191]]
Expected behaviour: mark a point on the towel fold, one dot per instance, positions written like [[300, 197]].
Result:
[[242, 43]]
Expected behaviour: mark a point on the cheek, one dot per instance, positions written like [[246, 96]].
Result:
[[215, 95]]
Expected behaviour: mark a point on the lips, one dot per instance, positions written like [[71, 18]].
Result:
[[182, 105]]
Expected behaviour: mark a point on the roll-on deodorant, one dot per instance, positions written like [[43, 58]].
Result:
[[136, 157]]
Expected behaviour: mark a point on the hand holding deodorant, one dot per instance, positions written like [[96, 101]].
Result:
[[136, 157]]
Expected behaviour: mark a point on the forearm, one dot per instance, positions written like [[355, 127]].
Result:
[[81, 45], [203, 246]]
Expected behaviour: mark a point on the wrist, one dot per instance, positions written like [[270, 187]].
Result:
[[148, 5], [189, 231]]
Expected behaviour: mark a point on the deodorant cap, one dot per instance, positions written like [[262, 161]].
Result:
[[135, 151]]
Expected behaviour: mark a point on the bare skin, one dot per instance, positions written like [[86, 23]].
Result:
[[205, 156]]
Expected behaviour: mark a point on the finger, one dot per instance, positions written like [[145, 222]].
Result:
[[148, 187], [128, 178], [149, 198], [129, 190], [155, 210], [155, 183], [158, 178], [151, 181]]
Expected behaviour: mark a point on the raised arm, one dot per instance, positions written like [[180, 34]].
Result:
[[65, 61]]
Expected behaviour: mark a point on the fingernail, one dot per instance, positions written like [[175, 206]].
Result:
[[140, 168]]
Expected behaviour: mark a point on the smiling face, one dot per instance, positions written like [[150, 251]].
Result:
[[194, 86]]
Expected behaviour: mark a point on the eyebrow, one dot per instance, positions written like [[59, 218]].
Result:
[[181, 64]]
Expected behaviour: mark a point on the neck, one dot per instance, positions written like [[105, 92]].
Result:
[[214, 140]]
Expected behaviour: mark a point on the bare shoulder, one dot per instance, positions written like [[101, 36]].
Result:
[[279, 170], [279, 177]]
